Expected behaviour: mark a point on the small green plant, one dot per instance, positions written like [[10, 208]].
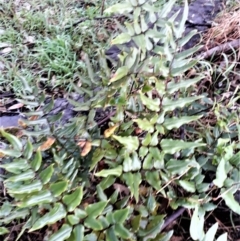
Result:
[[57, 57]]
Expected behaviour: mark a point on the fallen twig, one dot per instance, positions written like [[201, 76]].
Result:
[[106, 118], [220, 48], [173, 217]]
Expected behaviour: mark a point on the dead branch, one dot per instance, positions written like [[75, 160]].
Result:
[[220, 48], [173, 217]]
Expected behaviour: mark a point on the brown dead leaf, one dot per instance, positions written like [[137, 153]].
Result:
[[16, 106], [110, 130], [21, 123], [143, 191], [81, 143], [14, 130], [121, 188], [192, 72], [176, 238], [32, 118], [3, 108], [138, 131], [86, 149], [47, 144]]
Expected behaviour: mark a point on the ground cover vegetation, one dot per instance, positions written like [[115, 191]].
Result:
[[168, 145]]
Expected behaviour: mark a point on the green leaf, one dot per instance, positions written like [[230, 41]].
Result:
[[62, 234], [94, 210], [117, 171], [223, 237], [122, 231], [211, 233], [104, 220], [136, 163], [147, 139], [170, 105], [183, 84], [131, 143], [180, 166], [17, 214], [11, 153], [28, 150], [231, 201], [131, 163], [143, 151], [79, 232], [153, 228], [3, 230], [58, 188], [152, 177], [167, 7], [16, 166], [121, 39], [35, 186], [196, 226], [57, 213], [37, 161], [181, 28], [151, 203], [120, 216], [186, 38], [37, 199], [136, 25], [46, 174], [139, 39], [127, 163], [15, 142], [73, 219], [185, 67], [160, 87], [135, 222], [235, 159], [97, 156], [119, 8], [151, 104], [221, 174], [100, 193], [148, 162], [27, 175], [172, 146], [80, 213], [145, 125], [186, 53], [154, 140], [166, 236], [133, 180], [111, 235], [170, 123], [158, 157], [187, 185], [93, 223], [120, 73], [107, 182], [74, 199]]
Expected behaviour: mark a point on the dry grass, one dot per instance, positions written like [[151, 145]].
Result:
[[226, 29]]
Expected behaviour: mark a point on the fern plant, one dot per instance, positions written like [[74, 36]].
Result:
[[108, 186]]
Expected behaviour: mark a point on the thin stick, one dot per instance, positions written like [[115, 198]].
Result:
[[173, 217], [221, 48]]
